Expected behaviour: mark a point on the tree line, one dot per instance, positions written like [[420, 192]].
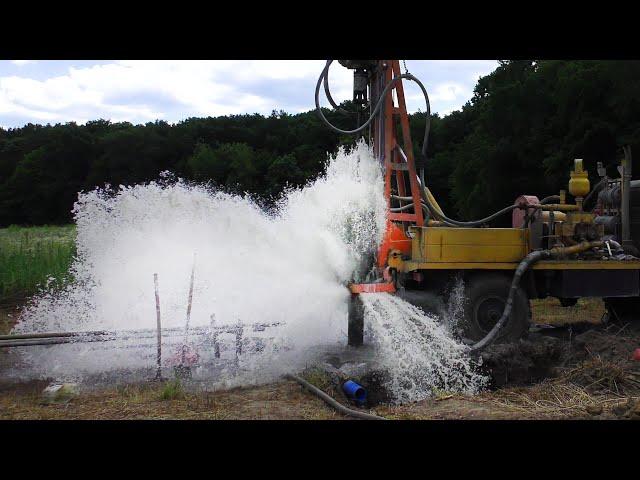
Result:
[[518, 134]]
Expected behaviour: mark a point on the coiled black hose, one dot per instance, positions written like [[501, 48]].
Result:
[[328, 93], [440, 216], [324, 75]]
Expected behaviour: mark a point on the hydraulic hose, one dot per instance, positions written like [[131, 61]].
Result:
[[328, 93], [441, 216], [472, 223], [550, 199], [524, 265], [330, 401], [432, 208], [324, 75], [407, 207], [594, 191]]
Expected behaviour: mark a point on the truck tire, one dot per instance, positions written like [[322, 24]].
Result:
[[486, 296], [624, 309]]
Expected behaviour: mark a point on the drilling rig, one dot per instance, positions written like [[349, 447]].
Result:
[[584, 244]]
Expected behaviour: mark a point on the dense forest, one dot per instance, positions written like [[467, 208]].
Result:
[[519, 133]]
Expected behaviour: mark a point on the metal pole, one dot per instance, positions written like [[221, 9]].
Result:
[[159, 356], [25, 336]]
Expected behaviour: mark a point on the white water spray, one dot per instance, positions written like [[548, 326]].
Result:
[[288, 268], [417, 351]]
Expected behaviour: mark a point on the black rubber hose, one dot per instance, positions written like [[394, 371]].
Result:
[[330, 401], [524, 265], [550, 199], [406, 207], [425, 141], [593, 191], [386, 90], [328, 94], [456, 223], [448, 221], [472, 223]]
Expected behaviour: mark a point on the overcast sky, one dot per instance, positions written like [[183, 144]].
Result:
[[138, 91]]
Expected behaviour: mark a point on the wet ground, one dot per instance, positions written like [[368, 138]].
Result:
[[580, 369]]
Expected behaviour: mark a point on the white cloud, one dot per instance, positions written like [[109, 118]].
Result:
[[198, 87], [21, 63], [139, 91], [449, 92]]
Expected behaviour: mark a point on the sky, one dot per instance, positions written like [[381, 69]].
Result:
[[139, 91]]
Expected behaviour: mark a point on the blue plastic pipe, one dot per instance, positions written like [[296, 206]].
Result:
[[355, 392]]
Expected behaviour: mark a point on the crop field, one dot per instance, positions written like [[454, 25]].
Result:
[[32, 257]]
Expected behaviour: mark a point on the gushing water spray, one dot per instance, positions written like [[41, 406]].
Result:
[[417, 350], [287, 268]]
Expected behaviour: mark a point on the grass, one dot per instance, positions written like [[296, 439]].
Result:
[[593, 387], [31, 257], [172, 390], [279, 401], [550, 311]]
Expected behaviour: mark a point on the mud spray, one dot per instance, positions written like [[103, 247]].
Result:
[[286, 267]]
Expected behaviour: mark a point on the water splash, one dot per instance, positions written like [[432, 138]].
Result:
[[417, 351], [288, 266], [285, 267], [453, 314]]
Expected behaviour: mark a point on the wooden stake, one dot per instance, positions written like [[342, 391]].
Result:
[[186, 328], [159, 354]]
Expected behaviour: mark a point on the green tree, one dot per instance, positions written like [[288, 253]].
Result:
[[203, 164]]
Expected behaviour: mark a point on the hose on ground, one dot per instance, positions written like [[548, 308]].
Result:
[[332, 402], [524, 265]]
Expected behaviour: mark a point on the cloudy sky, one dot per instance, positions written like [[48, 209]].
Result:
[[138, 91]]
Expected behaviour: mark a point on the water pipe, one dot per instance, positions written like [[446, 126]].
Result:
[[332, 402]]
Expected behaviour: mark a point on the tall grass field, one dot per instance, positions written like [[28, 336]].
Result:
[[30, 257]]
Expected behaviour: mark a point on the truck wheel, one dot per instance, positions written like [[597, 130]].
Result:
[[486, 297], [626, 309]]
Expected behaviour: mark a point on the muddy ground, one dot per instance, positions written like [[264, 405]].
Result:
[[571, 366]]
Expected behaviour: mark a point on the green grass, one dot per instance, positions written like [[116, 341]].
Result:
[[172, 390], [29, 256], [552, 312]]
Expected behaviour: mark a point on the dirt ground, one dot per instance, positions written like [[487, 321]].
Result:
[[582, 369]]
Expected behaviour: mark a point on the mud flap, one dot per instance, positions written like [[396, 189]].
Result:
[[355, 331]]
